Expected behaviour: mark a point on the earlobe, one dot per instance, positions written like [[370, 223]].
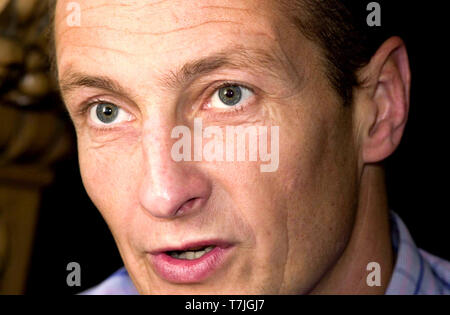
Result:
[[388, 103]]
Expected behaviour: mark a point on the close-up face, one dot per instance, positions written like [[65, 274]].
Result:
[[131, 72]]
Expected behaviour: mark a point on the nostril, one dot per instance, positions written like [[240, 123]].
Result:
[[188, 205]]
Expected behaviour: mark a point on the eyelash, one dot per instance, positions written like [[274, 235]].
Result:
[[85, 108]]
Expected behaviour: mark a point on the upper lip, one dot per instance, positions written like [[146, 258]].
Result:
[[192, 244]]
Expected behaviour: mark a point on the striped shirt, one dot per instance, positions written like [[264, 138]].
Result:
[[415, 271]]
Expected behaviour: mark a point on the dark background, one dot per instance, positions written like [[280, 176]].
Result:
[[71, 229]]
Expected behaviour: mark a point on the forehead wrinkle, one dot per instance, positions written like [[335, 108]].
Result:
[[122, 52], [179, 29], [247, 11], [222, 18]]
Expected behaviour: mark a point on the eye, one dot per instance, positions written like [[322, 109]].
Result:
[[230, 95], [104, 113]]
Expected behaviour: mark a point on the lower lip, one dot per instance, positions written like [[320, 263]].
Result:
[[189, 271]]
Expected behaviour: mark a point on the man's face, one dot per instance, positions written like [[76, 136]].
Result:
[[273, 232]]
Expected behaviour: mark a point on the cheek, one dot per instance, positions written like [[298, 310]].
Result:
[[319, 182], [110, 177]]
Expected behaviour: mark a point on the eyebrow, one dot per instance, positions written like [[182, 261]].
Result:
[[257, 60]]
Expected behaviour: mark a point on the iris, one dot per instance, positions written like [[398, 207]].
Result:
[[107, 112], [230, 95]]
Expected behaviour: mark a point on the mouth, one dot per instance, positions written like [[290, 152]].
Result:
[[190, 263]]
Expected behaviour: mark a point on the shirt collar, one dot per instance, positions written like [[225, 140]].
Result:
[[412, 273]]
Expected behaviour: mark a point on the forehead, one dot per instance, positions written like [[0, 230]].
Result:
[[122, 38]]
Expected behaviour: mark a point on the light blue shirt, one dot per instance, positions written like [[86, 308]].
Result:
[[415, 271]]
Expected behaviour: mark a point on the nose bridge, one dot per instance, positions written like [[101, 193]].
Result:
[[156, 146], [160, 174], [167, 185]]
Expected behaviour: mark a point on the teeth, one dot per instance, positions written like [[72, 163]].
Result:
[[199, 254], [192, 254]]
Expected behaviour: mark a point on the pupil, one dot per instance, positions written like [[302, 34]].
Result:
[[107, 111], [229, 93]]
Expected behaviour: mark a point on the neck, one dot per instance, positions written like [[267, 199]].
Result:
[[370, 242]]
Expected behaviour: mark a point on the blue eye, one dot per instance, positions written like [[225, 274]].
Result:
[[107, 112], [230, 95]]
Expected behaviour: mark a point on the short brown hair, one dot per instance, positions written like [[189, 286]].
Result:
[[339, 27]]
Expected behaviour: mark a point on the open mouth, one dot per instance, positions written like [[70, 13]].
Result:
[[191, 253], [190, 263]]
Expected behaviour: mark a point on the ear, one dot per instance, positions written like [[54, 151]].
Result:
[[384, 112]]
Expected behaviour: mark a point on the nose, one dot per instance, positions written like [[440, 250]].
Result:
[[169, 188]]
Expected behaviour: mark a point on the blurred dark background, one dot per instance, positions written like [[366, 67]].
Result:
[[69, 228]]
